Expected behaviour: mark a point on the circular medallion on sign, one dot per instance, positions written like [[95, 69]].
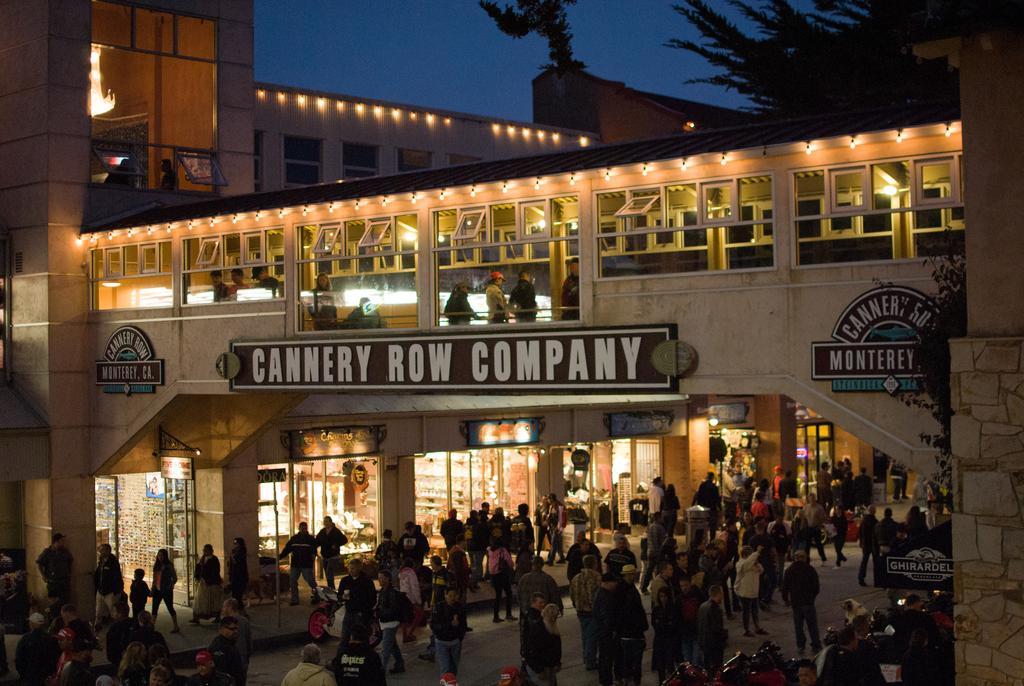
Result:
[[360, 477], [580, 459], [228, 365]]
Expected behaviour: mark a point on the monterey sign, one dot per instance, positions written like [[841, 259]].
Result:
[[874, 343], [129, 364]]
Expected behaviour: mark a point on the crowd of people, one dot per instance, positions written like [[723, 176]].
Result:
[[753, 553]]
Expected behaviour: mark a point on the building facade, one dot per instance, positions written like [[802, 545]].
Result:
[[236, 362]]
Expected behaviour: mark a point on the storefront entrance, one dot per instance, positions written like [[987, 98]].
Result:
[[138, 514]]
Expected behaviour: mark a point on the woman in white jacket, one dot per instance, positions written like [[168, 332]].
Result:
[[747, 587]]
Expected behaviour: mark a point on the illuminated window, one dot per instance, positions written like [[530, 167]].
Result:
[[131, 276], [358, 274], [887, 210], [529, 243], [233, 267]]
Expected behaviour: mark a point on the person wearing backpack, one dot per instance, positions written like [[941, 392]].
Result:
[[499, 565], [389, 613]]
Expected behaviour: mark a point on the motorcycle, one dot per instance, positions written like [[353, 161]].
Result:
[[766, 667], [325, 619]]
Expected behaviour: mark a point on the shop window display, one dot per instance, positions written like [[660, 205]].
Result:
[[358, 273], [272, 540], [343, 489], [245, 266], [470, 243], [131, 276]]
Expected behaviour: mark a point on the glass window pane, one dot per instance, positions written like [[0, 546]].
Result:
[[682, 205], [534, 221], [717, 201], [165, 257], [472, 225], [848, 188], [275, 250], [111, 24], [131, 260], [890, 185], [232, 250], [302, 174], [113, 266], [197, 37], [411, 160], [936, 180], [810, 193], [154, 31], [302, 149], [755, 198], [150, 260], [358, 160]]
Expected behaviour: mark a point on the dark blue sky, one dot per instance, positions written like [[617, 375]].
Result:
[[449, 54]]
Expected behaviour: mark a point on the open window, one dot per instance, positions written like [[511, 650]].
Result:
[[377, 233], [847, 190], [252, 247], [326, 241], [118, 161], [936, 182], [471, 225], [209, 252], [719, 202], [201, 168], [534, 221], [639, 205]]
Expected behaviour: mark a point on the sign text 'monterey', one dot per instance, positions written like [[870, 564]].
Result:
[[598, 359]]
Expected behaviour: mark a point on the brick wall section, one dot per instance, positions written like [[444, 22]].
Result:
[[988, 529]]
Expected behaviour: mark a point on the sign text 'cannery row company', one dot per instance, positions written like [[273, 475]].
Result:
[[598, 359]]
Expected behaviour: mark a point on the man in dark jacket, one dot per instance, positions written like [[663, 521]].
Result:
[[302, 547], [534, 634], [108, 583], [452, 530], [329, 540], [711, 631], [448, 626], [862, 488], [800, 587], [55, 567], [359, 594], [885, 531], [619, 556], [358, 664], [656, 536], [708, 496], [522, 529], [35, 658], [523, 298], [606, 619], [479, 539], [76, 672], [388, 614], [868, 543], [577, 551], [225, 655], [457, 309], [206, 672], [117, 635], [146, 634], [632, 626]]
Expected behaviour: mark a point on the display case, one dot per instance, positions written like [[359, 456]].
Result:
[[432, 491]]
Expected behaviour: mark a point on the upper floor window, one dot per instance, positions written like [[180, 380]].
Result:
[[301, 161], [880, 211], [358, 160], [358, 273], [686, 227], [152, 98], [411, 160], [131, 276], [507, 262], [239, 266], [455, 158]]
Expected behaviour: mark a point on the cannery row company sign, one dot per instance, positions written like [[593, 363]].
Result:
[[874, 344], [600, 360], [129, 365]]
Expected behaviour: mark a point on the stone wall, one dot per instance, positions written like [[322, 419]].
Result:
[[988, 529]]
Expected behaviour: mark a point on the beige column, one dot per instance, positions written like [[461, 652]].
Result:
[[776, 429]]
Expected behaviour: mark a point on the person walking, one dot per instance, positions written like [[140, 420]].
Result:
[[666, 618], [302, 547], [500, 567], [108, 583], [238, 571], [711, 632], [54, 565], [409, 584], [690, 598], [582, 591], [632, 627], [863, 485], [606, 622], [556, 521], [577, 551], [800, 588], [388, 613], [225, 653], [656, 536], [387, 554], [36, 654], [448, 624], [620, 555], [453, 531], [813, 518], [543, 642], [210, 593], [523, 299], [782, 541], [824, 481], [540, 518], [330, 540], [358, 664], [165, 577], [479, 536], [841, 526], [359, 594], [708, 496], [748, 586], [656, 495], [309, 671], [669, 510]]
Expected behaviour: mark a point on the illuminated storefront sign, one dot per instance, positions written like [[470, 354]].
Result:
[[650, 423], [496, 432], [600, 360], [176, 468], [335, 441], [128, 365], [875, 342]]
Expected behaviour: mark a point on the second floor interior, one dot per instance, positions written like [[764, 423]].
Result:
[[524, 249]]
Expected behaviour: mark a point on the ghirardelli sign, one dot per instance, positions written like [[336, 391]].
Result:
[[597, 360], [128, 365], [921, 564], [874, 343]]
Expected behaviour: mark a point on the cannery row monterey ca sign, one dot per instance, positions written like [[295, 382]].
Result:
[[599, 360], [874, 344], [129, 364]]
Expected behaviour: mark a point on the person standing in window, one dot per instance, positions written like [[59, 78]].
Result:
[[523, 299], [167, 179], [238, 283], [571, 290], [261, 275], [458, 309], [220, 289], [323, 310], [497, 305]]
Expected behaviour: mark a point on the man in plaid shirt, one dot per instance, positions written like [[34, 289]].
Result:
[[582, 590]]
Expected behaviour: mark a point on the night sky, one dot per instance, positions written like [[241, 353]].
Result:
[[449, 54]]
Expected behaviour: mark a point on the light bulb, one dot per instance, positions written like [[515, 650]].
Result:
[[447, 120], [472, 191], [808, 148], [384, 201], [608, 174], [572, 179], [723, 160], [684, 164], [414, 197], [584, 141], [321, 102], [357, 203], [643, 169], [189, 225], [330, 207], [541, 134], [511, 130], [78, 241], [899, 136], [504, 186], [130, 232], [890, 190], [536, 184], [302, 99], [150, 231], [442, 194], [526, 132], [555, 136], [949, 130], [234, 217], [360, 107], [853, 142], [713, 421]]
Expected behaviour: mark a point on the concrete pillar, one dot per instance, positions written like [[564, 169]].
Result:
[[11, 515], [699, 464], [776, 429]]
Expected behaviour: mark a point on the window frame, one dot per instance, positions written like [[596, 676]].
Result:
[[143, 249], [163, 269], [216, 262], [732, 185], [286, 161], [545, 231], [398, 160], [483, 211], [332, 232], [625, 212], [832, 206], [375, 170], [201, 263], [369, 240], [216, 176], [175, 32], [917, 182]]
